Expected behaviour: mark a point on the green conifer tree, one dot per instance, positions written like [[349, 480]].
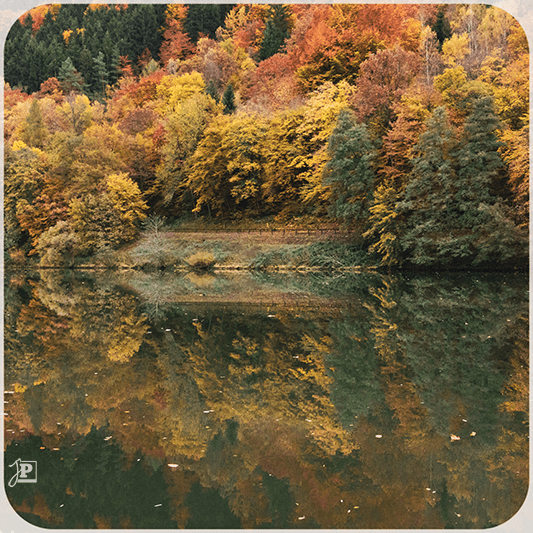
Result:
[[70, 78], [349, 173], [442, 26], [276, 31], [429, 195], [495, 237], [453, 218], [228, 100], [100, 73], [211, 90]]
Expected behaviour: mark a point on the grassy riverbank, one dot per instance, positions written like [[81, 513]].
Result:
[[236, 250]]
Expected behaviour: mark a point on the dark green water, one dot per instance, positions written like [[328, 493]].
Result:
[[363, 401]]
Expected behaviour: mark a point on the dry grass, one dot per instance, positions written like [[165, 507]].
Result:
[[201, 260]]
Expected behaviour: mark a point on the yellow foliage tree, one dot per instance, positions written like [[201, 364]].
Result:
[[173, 90], [126, 199]]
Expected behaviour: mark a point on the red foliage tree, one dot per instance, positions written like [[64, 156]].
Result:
[[12, 97], [383, 78], [125, 66], [51, 88], [176, 43], [273, 83]]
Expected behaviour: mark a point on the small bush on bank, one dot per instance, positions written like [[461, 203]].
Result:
[[201, 260]]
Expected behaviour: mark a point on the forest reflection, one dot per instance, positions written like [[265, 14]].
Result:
[[358, 401]]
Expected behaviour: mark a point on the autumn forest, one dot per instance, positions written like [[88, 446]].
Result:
[[407, 124], [266, 266]]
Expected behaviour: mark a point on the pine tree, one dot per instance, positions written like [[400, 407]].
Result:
[[141, 32], [211, 90], [204, 19], [479, 161], [228, 100], [36, 54], [70, 78], [429, 195], [442, 27], [16, 58], [453, 217], [100, 73], [55, 55], [276, 31], [479, 178], [349, 173]]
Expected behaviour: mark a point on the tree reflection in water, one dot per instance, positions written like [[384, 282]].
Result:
[[361, 401]]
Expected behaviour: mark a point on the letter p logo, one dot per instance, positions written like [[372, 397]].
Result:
[[26, 472]]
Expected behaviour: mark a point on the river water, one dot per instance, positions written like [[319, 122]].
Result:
[[152, 400]]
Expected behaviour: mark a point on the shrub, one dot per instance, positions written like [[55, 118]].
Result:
[[201, 260], [57, 245]]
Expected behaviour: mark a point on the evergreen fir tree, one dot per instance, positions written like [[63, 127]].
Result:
[[36, 55], [228, 100], [16, 58], [140, 32], [205, 19], [453, 219], [349, 173], [429, 195], [100, 73], [442, 26], [70, 78], [479, 159], [481, 212], [276, 31], [211, 90], [55, 58]]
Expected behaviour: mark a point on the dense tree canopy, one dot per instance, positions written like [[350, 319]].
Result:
[[230, 111]]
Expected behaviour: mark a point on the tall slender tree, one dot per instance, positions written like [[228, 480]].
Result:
[[228, 100], [349, 172], [429, 195]]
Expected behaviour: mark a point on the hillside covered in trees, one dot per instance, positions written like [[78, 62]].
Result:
[[409, 123]]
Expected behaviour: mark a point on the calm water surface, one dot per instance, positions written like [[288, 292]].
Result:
[[264, 401]]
